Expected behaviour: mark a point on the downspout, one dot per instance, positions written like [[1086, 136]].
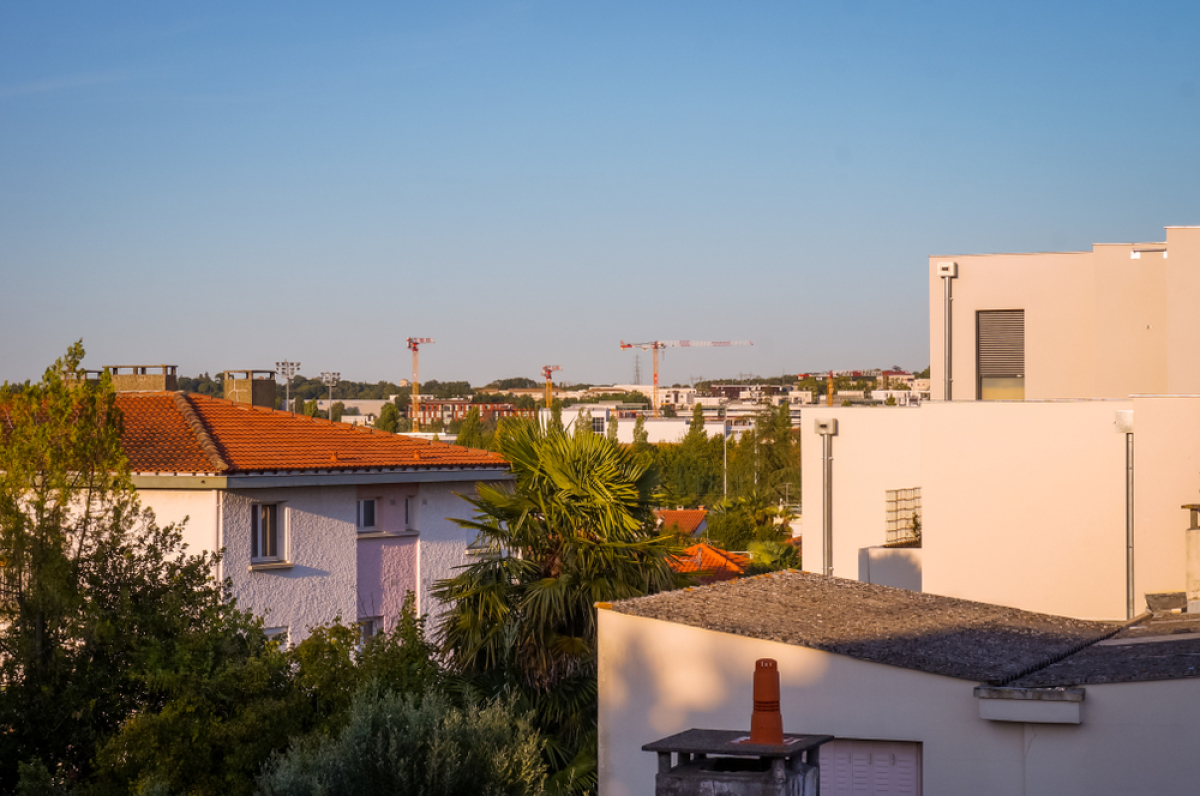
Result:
[[1124, 425], [1130, 607], [827, 428], [219, 542], [947, 271]]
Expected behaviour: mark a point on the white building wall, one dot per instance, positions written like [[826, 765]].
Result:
[[658, 678], [875, 449], [442, 544], [321, 586], [197, 507]]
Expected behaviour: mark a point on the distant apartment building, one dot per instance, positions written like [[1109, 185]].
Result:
[[456, 410]]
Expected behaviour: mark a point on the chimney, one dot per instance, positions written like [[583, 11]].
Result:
[[766, 722], [254, 387], [732, 763], [143, 378]]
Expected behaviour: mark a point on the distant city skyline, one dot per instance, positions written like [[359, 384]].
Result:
[[225, 186]]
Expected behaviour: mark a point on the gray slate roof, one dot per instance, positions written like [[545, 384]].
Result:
[[929, 633], [1155, 648]]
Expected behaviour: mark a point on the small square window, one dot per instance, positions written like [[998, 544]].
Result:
[[265, 535], [598, 425], [366, 514]]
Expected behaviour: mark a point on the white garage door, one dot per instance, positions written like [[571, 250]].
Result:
[[870, 768]]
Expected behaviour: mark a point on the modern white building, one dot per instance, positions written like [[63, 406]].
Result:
[[1055, 479]]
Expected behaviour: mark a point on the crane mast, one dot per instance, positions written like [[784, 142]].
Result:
[[656, 345], [548, 372], [414, 345]]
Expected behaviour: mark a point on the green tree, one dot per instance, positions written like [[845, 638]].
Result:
[[640, 436], [336, 411], [470, 431], [575, 528], [611, 432], [388, 419], [96, 601], [298, 405]]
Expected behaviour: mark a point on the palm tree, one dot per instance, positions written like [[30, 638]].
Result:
[[574, 529]]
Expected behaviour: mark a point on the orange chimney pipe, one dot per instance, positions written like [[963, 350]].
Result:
[[766, 723]]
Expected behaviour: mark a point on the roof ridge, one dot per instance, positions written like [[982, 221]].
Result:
[[1047, 662], [207, 444]]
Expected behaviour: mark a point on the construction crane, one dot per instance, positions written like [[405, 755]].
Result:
[[548, 372], [414, 344], [654, 347]]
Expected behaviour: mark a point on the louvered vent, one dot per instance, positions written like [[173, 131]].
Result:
[[1001, 343]]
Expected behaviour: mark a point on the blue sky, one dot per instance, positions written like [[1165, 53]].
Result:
[[225, 185]]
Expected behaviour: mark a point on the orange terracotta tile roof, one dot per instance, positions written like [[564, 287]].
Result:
[[685, 521], [170, 432], [704, 559]]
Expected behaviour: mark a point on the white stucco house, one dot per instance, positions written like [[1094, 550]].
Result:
[[317, 520], [924, 694]]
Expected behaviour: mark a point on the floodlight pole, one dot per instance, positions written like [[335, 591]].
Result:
[[331, 380], [287, 370]]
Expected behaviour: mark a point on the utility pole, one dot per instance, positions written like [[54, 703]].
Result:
[[331, 380], [287, 370]]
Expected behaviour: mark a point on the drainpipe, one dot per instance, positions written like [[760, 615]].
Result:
[[1124, 425], [947, 271], [827, 428]]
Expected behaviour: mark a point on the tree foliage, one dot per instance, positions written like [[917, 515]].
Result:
[[470, 431], [575, 528], [97, 603], [389, 419], [398, 745]]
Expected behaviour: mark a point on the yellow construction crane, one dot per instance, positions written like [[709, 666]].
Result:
[[548, 372], [414, 344], [658, 344]]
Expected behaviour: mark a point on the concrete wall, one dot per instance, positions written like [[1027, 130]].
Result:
[[1024, 505], [1166, 476], [443, 544], [388, 567], [659, 678], [1183, 321], [197, 508], [876, 449], [1106, 323], [321, 537]]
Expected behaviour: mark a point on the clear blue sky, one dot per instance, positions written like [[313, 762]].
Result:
[[223, 185]]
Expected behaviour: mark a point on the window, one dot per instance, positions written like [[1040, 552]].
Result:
[[1001, 354], [366, 514], [903, 507], [265, 536], [277, 635], [369, 627], [407, 519], [597, 425]]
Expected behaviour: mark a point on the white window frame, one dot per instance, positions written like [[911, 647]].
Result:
[[369, 627], [374, 526], [278, 635], [257, 538]]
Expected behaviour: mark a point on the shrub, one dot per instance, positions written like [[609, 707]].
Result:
[[394, 745]]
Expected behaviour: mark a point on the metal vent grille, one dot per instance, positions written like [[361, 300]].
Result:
[[1001, 342]]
